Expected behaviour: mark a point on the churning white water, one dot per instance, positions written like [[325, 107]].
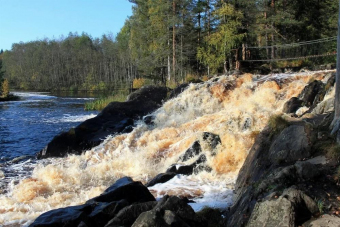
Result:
[[235, 108]]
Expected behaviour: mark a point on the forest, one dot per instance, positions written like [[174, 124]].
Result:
[[170, 41]]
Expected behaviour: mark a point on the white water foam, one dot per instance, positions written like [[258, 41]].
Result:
[[70, 118]]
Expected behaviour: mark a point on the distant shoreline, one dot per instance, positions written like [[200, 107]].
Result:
[[10, 97]]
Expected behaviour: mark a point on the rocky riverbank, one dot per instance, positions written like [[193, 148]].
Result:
[[289, 178]]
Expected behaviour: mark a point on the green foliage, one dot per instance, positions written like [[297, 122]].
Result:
[[276, 123], [220, 43]]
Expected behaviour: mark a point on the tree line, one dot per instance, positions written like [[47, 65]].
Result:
[[167, 41]]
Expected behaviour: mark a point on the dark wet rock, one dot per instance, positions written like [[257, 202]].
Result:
[[149, 119], [313, 93], [212, 139], [292, 105], [66, 217], [124, 188], [178, 90], [170, 211], [180, 208], [172, 169], [196, 167], [161, 178], [128, 215], [150, 218], [117, 117], [306, 170], [212, 217], [292, 144], [103, 212], [323, 221], [193, 151], [100, 210]]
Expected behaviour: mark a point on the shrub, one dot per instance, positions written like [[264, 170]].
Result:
[[138, 83], [4, 89]]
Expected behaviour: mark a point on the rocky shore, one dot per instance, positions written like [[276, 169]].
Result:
[[290, 176]]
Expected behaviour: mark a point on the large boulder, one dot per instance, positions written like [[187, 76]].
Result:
[[313, 93], [291, 209], [124, 188], [97, 212], [117, 117], [323, 221], [292, 105], [292, 144]]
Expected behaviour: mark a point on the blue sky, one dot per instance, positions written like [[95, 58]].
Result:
[[28, 20]]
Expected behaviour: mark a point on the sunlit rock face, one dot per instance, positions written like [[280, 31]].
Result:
[[236, 108]]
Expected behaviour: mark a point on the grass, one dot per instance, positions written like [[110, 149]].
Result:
[[320, 205], [101, 103]]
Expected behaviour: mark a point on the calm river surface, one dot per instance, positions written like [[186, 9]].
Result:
[[26, 126]]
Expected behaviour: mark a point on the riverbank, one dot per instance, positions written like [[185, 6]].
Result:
[[10, 97]]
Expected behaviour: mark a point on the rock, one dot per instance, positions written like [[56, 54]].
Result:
[[115, 118], [172, 219], [195, 149], [128, 215], [195, 167], [291, 145], [330, 82], [278, 212], [292, 208], [100, 210], [213, 217], [161, 178], [324, 107], [305, 207], [149, 119], [313, 93], [306, 170], [124, 188], [292, 105], [66, 217], [280, 177], [212, 139], [169, 211], [103, 212], [323, 221], [180, 208], [150, 218], [178, 90]]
